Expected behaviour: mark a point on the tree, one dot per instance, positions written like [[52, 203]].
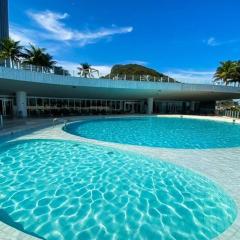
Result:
[[84, 70], [87, 71], [225, 72], [228, 72], [136, 71], [10, 50], [38, 57], [236, 72]]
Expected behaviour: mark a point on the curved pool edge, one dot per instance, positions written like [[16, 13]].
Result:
[[232, 232], [102, 140]]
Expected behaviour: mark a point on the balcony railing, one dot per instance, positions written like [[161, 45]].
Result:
[[128, 77], [229, 113]]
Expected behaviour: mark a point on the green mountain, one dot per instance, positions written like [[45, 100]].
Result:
[[134, 71]]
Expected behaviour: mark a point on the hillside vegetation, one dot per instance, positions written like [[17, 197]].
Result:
[[130, 70]]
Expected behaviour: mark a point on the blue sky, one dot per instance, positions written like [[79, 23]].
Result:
[[183, 38]]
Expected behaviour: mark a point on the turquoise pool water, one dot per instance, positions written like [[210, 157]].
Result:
[[66, 190], [160, 132]]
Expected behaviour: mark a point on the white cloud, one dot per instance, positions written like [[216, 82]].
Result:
[[103, 69], [22, 34], [72, 67], [30, 36], [51, 22], [191, 76], [56, 29], [213, 42]]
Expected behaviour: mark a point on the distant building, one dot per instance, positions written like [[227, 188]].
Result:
[[4, 25]]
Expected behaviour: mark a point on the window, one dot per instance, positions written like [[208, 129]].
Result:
[[83, 103], [117, 105], [39, 102], [32, 102], [94, 103], [71, 103], [53, 102], [46, 102], [65, 103], [77, 103], [88, 103], [59, 103]]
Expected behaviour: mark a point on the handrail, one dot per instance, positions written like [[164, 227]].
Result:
[[128, 77], [58, 121], [229, 113]]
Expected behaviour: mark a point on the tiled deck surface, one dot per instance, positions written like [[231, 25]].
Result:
[[219, 165]]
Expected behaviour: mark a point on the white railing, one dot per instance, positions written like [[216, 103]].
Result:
[[128, 77], [35, 68], [144, 78], [230, 84], [58, 71], [229, 113]]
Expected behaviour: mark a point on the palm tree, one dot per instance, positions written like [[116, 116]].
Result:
[[86, 70], [10, 50], [236, 73], [38, 57], [225, 72]]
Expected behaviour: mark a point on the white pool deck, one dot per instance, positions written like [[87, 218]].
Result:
[[220, 165]]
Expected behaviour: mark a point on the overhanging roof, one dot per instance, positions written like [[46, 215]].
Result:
[[50, 85]]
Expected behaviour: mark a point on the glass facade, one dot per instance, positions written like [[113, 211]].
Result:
[[67, 106], [6, 106], [43, 106]]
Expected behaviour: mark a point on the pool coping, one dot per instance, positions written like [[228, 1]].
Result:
[[233, 232]]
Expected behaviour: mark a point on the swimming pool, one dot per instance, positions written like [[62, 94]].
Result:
[[163, 132], [67, 190]]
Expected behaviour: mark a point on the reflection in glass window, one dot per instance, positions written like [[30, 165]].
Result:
[[87, 103], [104, 103], [32, 102], [94, 103], [59, 103], [39, 102], [117, 105], [83, 103], [71, 103], [113, 104], [77, 103], [65, 102], [46, 102], [53, 102]]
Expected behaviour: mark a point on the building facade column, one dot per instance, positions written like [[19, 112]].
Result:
[[4, 28], [21, 102], [192, 107], [150, 105]]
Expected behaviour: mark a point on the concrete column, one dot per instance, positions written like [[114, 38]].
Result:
[[192, 106], [150, 105], [21, 100]]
